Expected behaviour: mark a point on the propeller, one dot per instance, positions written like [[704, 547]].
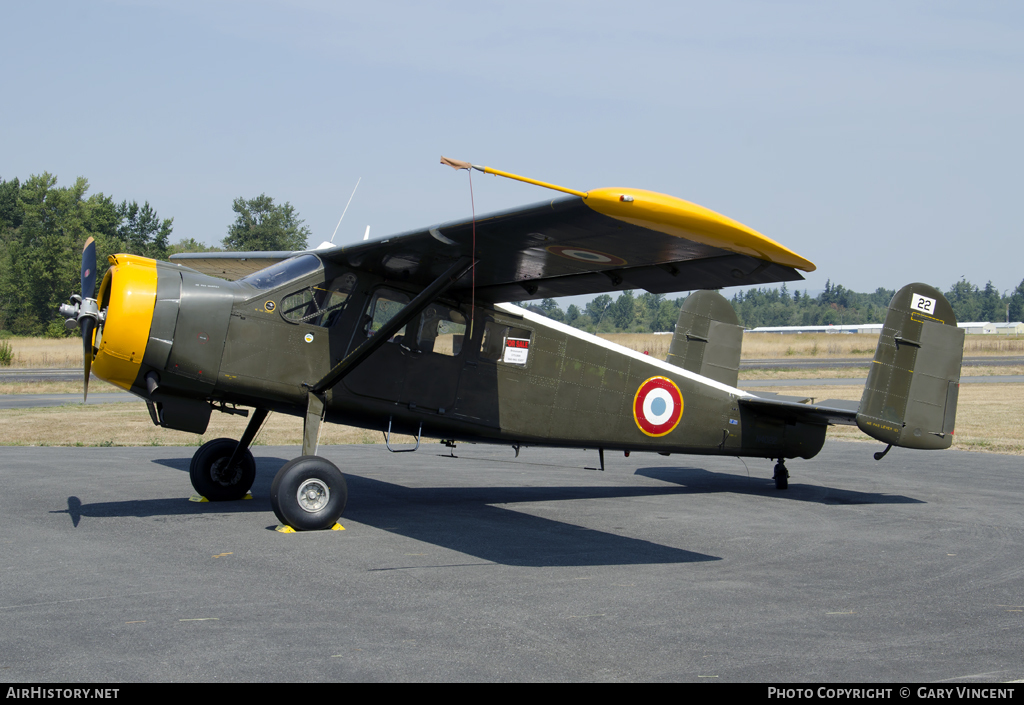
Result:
[[83, 310]]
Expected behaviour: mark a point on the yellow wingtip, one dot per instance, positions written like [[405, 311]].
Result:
[[674, 216]]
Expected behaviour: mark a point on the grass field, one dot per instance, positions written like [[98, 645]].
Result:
[[129, 425], [67, 352], [46, 352], [990, 417], [775, 346]]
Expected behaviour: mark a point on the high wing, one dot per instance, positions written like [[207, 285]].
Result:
[[608, 240]]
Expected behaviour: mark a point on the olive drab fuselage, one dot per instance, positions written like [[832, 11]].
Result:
[[493, 373]]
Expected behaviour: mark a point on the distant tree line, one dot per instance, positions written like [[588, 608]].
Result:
[[43, 228], [626, 313], [836, 305]]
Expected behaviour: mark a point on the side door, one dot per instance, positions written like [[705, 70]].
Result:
[[435, 357], [382, 374]]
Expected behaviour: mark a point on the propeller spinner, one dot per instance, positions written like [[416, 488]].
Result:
[[83, 310]]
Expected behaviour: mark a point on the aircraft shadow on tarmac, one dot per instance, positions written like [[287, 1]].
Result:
[[178, 506], [467, 520], [472, 520], [179, 463], [699, 480], [461, 519]]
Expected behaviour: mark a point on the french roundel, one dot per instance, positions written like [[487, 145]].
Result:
[[657, 406], [583, 254]]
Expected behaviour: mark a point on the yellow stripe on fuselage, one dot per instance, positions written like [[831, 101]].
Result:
[[674, 216], [131, 281]]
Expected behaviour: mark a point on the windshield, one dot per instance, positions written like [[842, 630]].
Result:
[[283, 272]]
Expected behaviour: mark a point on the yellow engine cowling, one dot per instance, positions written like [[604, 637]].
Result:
[[127, 297]]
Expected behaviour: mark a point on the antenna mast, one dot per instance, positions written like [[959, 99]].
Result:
[[346, 209]]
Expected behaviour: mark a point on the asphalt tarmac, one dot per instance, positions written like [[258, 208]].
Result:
[[488, 568]]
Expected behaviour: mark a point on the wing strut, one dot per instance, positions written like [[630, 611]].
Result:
[[422, 300]]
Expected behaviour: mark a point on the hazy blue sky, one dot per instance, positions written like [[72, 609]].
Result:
[[881, 140]]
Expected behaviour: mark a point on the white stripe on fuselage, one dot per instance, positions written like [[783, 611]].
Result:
[[594, 340]]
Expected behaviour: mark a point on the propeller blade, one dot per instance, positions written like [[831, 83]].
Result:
[[88, 326], [89, 269], [88, 322]]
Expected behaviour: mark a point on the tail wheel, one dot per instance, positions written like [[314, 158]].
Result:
[[211, 475], [781, 476], [309, 493]]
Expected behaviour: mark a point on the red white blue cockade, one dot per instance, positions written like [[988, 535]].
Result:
[[657, 406]]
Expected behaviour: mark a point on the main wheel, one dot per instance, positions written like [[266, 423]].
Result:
[[211, 475], [308, 493]]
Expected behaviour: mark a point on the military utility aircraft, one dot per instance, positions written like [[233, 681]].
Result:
[[416, 333]]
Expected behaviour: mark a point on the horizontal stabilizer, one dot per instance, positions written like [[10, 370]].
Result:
[[835, 412]]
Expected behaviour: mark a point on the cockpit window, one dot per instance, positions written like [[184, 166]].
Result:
[[442, 331], [283, 272], [386, 304], [319, 305]]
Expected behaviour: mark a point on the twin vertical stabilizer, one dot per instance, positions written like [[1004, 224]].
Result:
[[911, 392], [708, 338]]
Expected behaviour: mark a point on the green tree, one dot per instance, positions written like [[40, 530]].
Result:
[[622, 310], [573, 315], [992, 306], [551, 309], [965, 298], [141, 231], [190, 244], [40, 259], [10, 214], [647, 307], [1017, 303], [668, 314], [263, 226], [597, 308], [43, 227]]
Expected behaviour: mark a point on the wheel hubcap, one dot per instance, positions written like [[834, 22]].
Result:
[[313, 495], [224, 475]]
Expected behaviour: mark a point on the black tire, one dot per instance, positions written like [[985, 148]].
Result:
[[781, 477], [323, 488], [209, 475]]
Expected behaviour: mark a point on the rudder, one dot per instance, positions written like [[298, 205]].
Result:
[[708, 338], [912, 387]]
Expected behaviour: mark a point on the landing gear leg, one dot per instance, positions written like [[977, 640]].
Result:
[[781, 475], [224, 469], [309, 493]]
